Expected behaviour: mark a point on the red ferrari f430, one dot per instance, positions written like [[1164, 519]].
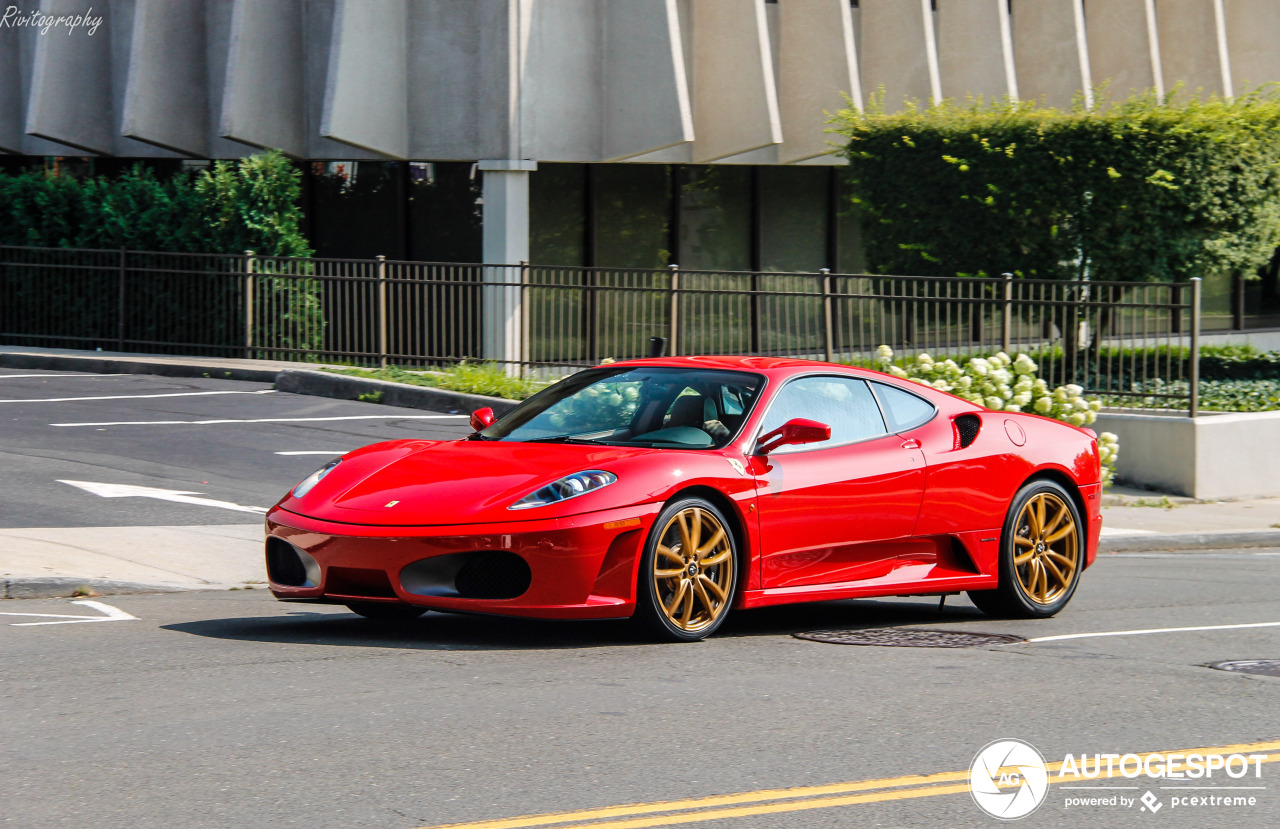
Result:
[[674, 490]]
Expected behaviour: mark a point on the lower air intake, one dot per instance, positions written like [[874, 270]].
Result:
[[484, 574]]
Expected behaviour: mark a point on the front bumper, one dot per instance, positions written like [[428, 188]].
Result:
[[581, 567]]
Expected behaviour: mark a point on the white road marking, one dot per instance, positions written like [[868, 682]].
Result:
[[57, 376], [264, 420], [138, 396], [1151, 630], [334, 452], [110, 614], [176, 496], [1116, 532]]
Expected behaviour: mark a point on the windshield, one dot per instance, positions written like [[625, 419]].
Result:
[[637, 406]]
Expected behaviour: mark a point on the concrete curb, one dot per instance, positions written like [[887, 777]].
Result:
[[346, 387], [296, 381], [56, 588], [1167, 542], [133, 365]]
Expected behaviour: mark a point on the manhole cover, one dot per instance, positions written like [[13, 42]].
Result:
[[1262, 667], [909, 638]]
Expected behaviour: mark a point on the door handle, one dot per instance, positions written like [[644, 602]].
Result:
[[911, 443]]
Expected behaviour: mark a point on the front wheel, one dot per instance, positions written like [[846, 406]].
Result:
[[1041, 555], [386, 611], [688, 572]]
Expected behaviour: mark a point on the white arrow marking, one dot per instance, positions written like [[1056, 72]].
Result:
[[175, 495], [109, 614]]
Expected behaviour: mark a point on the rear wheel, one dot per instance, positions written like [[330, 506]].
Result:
[[1041, 554], [688, 573], [386, 611]]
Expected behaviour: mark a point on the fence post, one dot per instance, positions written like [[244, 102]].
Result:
[[1237, 302], [828, 327], [525, 311], [673, 335], [1194, 368], [1006, 314], [382, 311], [120, 316], [248, 304]]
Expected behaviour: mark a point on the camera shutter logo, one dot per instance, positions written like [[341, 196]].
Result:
[[1008, 779]]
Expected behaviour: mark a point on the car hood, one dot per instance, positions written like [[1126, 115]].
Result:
[[419, 483]]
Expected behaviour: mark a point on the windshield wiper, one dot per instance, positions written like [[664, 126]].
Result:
[[562, 439]]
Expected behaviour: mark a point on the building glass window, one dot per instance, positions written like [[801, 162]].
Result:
[[793, 228], [356, 209], [557, 214], [445, 212], [715, 218], [632, 215]]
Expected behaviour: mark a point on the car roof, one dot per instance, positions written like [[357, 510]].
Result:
[[766, 365]]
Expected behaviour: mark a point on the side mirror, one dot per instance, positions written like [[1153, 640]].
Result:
[[796, 431], [482, 419]]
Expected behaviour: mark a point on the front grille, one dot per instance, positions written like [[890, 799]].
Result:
[[967, 427], [358, 581], [494, 574]]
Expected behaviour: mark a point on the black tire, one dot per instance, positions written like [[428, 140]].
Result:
[[386, 611], [1041, 555], [705, 582]]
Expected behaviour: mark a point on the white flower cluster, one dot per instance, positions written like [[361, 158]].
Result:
[[1007, 384]]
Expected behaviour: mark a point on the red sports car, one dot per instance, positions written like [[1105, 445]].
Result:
[[674, 489]]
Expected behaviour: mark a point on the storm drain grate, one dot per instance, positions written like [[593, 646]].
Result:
[[909, 638], [1261, 667]]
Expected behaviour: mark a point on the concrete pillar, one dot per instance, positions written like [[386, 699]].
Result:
[[506, 242], [263, 102], [10, 92], [735, 96], [71, 84], [366, 101], [817, 67], [1124, 50], [166, 99]]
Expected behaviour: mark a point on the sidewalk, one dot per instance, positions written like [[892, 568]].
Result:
[[105, 560]]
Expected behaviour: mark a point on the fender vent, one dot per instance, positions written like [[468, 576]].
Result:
[[967, 427]]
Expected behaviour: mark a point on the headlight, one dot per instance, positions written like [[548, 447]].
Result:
[[314, 478], [570, 486]]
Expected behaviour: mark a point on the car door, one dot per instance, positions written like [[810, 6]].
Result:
[[835, 511]]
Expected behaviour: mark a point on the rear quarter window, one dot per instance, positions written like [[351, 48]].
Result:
[[902, 409]]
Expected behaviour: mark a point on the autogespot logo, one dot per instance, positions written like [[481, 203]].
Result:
[[1008, 779]]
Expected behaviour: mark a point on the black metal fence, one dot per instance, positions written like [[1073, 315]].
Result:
[[1115, 339]]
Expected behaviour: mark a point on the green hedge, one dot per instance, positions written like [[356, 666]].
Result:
[[1144, 189], [231, 207]]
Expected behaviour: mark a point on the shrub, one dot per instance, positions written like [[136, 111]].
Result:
[[1007, 384], [1145, 189]]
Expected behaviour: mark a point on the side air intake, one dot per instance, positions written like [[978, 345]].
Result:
[[967, 428]]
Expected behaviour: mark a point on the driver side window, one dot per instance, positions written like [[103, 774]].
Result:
[[843, 403]]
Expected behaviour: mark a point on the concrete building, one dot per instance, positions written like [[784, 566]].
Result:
[[572, 132]]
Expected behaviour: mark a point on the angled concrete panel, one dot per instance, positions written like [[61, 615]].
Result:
[[973, 49], [817, 69], [366, 89], [1189, 47], [263, 96], [70, 95], [1124, 52], [1050, 52], [897, 41], [646, 104], [735, 98], [1253, 36], [563, 84], [166, 100]]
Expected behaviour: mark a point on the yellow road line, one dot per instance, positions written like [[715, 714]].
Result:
[[694, 810]]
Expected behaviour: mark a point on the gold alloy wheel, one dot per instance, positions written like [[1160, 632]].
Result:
[[693, 569], [1046, 548]]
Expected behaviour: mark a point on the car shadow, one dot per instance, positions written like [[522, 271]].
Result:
[[450, 631]]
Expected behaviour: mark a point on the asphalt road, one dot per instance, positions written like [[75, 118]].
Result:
[[228, 709], [157, 432]]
